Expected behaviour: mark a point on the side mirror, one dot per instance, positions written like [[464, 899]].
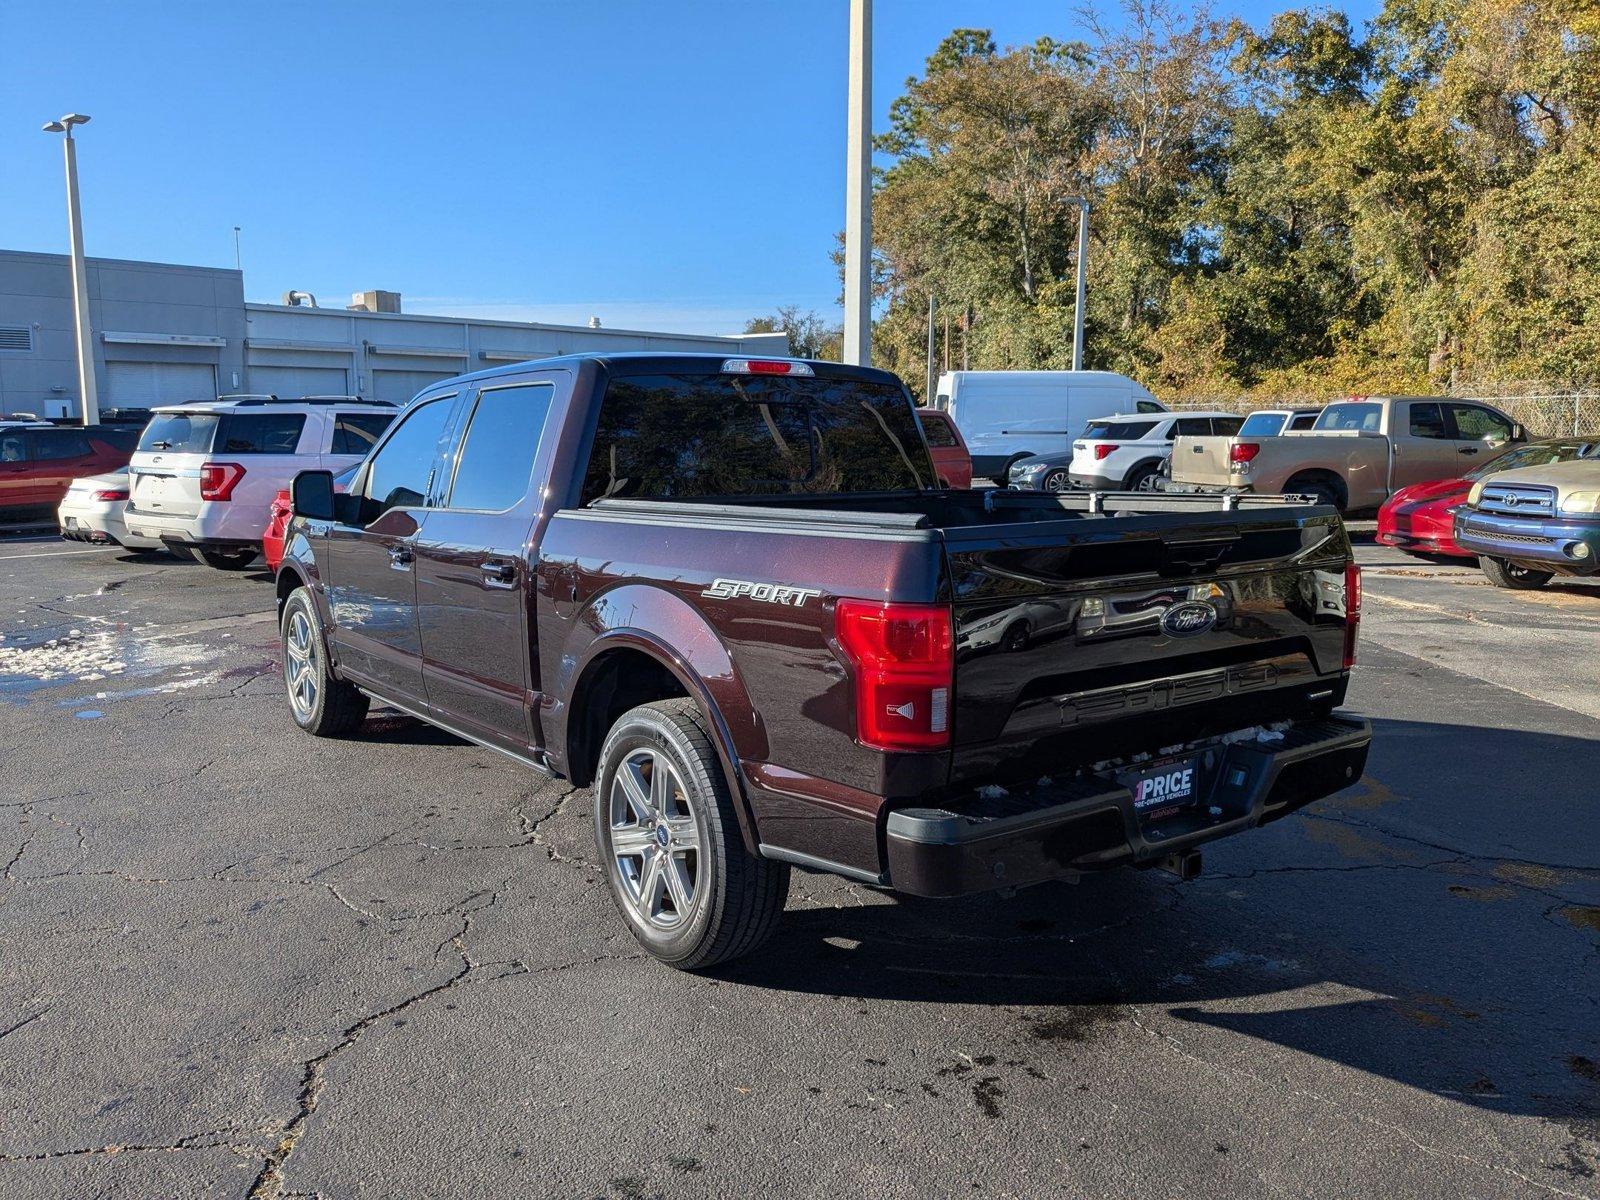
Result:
[[312, 495]]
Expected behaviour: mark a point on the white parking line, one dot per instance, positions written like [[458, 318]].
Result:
[[57, 553]]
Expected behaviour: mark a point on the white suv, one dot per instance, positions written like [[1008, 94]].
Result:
[[1126, 453], [204, 475]]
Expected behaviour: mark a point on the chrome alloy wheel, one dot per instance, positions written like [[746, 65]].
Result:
[[300, 664], [654, 839]]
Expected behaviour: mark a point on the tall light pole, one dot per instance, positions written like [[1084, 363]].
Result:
[[858, 191], [88, 391], [1083, 277]]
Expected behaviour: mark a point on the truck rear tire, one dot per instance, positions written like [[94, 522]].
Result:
[[1505, 574], [669, 840], [320, 703]]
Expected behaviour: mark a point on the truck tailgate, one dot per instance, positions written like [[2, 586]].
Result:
[[1201, 460], [1081, 640]]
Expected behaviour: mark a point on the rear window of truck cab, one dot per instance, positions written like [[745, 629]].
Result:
[[697, 436], [1365, 418]]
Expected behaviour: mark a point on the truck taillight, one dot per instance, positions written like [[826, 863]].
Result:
[[1104, 450], [1352, 612], [904, 658], [765, 366], [1243, 452], [217, 480]]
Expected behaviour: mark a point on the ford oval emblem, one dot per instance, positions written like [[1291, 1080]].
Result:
[[1188, 618]]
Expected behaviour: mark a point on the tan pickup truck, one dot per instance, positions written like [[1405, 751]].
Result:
[[1357, 453]]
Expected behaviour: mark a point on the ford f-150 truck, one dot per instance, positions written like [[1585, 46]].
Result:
[[1354, 457], [729, 595]]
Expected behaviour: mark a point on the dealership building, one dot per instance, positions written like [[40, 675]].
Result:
[[164, 334]]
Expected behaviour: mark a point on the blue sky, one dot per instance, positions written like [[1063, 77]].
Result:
[[668, 165]]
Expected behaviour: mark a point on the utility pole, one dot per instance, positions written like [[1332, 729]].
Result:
[[933, 378], [1083, 277], [858, 191], [238, 262], [88, 390]]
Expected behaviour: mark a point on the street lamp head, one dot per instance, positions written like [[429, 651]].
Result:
[[55, 127], [74, 119]]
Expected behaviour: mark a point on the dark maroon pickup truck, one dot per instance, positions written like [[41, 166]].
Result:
[[729, 594]]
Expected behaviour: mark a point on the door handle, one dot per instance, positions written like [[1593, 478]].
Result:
[[1467, 450], [400, 558], [499, 573]]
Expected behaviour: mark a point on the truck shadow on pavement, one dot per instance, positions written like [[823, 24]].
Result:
[[1438, 926]]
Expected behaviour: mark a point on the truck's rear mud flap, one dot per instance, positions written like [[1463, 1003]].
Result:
[[991, 840]]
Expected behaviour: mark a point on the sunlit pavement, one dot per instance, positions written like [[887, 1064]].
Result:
[[235, 959]]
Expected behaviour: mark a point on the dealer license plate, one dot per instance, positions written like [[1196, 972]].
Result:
[[1164, 786]]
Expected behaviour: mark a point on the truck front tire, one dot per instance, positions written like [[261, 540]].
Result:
[[1508, 575], [668, 838], [320, 703]]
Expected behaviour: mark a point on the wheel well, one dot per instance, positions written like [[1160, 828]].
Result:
[[1139, 466], [288, 580], [1319, 476], [615, 682]]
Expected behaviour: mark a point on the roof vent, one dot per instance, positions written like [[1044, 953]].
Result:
[[299, 299], [594, 322], [375, 302]]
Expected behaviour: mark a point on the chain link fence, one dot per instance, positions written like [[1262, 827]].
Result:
[[1555, 414]]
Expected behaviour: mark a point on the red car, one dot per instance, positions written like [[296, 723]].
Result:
[[948, 447], [1418, 519], [278, 514], [39, 461]]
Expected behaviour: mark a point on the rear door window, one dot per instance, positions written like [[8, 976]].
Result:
[[259, 433], [496, 460], [52, 445], [358, 433], [179, 433], [1427, 421], [1191, 427], [1226, 426], [693, 436]]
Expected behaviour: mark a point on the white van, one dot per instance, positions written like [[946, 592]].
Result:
[[1008, 415]]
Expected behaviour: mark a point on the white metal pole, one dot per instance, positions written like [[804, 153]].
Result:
[[1083, 275], [87, 389], [858, 191], [933, 364]]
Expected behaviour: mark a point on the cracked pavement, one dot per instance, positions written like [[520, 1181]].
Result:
[[237, 961]]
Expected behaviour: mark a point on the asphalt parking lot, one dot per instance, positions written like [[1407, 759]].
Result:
[[236, 961]]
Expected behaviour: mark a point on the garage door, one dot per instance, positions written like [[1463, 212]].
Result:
[[300, 381], [139, 385], [401, 386]]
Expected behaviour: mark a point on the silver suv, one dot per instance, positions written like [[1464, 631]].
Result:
[[204, 475]]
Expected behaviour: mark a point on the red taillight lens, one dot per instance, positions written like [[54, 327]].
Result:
[[1104, 451], [1243, 452], [904, 657], [110, 495], [217, 480], [1352, 612]]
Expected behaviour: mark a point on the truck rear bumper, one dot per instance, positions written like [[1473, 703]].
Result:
[[1054, 831]]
